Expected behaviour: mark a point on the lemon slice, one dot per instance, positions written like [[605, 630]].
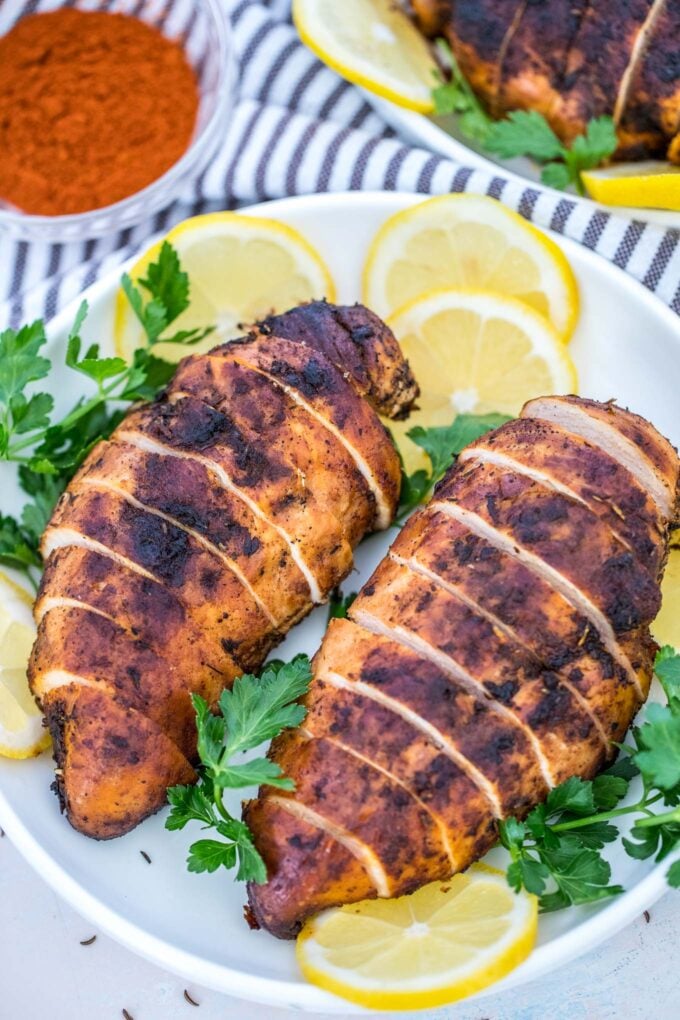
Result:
[[651, 185], [443, 942], [373, 44], [22, 734], [666, 627], [473, 351], [241, 268], [469, 241]]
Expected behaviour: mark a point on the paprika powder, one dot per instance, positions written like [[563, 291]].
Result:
[[94, 106]]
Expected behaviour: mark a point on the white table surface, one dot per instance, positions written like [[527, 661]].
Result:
[[45, 974]]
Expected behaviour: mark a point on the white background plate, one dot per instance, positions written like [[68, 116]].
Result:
[[627, 346], [441, 134]]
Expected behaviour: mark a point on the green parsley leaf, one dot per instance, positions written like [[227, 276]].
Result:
[[673, 875], [667, 669], [256, 772], [45, 490], [442, 444], [659, 736], [574, 795], [453, 94], [256, 710], [556, 175], [32, 413], [597, 144], [168, 287], [608, 790], [167, 282], [18, 549], [20, 362], [581, 876], [524, 133], [530, 873], [210, 854], [189, 803], [253, 711]]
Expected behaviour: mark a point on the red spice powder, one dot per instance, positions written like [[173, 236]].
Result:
[[93, 107]]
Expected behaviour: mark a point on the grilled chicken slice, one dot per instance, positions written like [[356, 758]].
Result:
[[358, 344], [625, 436], [572, 60], [111, 758], [479, 33], [546, 719], [649, 112], [599, 62], [554, 457], [533, 67], [501, 647], [187, 545]]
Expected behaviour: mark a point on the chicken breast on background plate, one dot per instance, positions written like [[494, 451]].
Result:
[[188, 544], [571, 60], [501, 647]]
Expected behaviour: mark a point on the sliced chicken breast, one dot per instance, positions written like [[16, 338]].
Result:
[[187, 545], [506, 634]]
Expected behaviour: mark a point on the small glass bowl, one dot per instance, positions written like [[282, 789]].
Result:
[[202, 27]]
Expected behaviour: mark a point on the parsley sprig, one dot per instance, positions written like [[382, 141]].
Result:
[[522, 132], [442, 444], [556, 851], [253, 711], [50, 450]]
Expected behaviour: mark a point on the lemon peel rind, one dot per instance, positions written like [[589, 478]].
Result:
[[123, 314], [520, 309], [563, 271], [382, 90], [442, 993]]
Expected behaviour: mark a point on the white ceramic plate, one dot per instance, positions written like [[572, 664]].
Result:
[[441, 135], [627, 346]]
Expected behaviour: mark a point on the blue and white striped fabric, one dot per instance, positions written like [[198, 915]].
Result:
[[299, 128]]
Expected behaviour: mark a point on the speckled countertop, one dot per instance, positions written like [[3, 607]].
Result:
[[45, 972]]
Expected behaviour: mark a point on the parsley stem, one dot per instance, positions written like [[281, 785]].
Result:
[[78, 412], [663, 819], [605, 816], [217, 797]]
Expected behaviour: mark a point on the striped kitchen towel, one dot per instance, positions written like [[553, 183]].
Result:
[[299, 128]]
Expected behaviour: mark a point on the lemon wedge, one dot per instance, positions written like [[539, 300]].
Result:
[[440, 944], [650, 185], [469, 241], [373, 44], [666, 627], [241, 268], [22, 734], [474, 351]]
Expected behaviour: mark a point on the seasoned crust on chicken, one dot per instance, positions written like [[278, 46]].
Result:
[[523, 605], [109, 759], [532, 67], [557, 733], [187, 545], [358, 344], [506, 634], [625, 436], [556, 458]]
